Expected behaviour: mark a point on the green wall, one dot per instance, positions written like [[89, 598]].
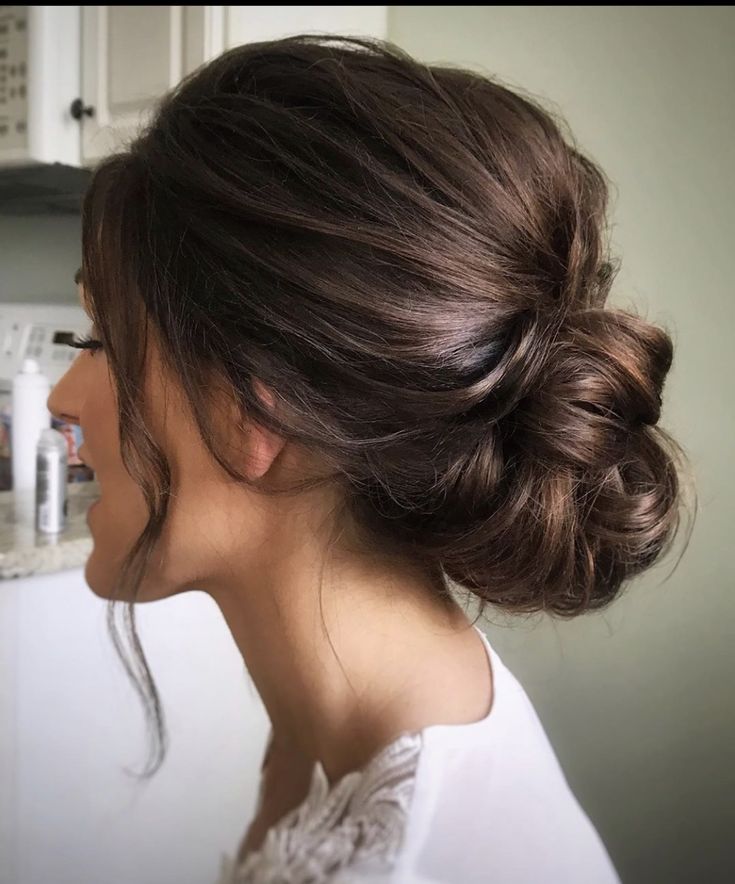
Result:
[[638, 700]]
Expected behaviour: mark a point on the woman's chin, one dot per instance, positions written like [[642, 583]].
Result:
[[100, 577], [102, 584], [101, 588]]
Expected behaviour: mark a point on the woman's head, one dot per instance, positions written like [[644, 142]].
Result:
[[397, 273]]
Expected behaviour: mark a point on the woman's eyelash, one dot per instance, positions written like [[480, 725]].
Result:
[[86, 343]]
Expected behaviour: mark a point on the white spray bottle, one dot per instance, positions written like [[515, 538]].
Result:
[[31, 389]]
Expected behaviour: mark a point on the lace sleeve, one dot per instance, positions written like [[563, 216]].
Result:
[[349, 832]]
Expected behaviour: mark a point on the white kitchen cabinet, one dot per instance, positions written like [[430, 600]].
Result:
[[72, 723], [131, 55]]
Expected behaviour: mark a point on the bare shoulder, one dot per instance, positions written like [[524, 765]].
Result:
[[284, 784]]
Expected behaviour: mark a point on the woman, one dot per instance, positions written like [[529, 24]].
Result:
[[350, 353]]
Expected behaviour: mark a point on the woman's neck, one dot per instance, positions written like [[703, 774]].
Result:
[[342, 673]]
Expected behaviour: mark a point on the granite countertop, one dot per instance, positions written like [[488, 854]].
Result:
[[25, 551]]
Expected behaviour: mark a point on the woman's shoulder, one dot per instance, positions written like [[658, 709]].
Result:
[[351, 830], [429, 798]]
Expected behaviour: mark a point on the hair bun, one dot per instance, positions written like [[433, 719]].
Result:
[[575, 489], [602, 380]]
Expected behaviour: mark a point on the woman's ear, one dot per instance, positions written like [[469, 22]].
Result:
[[264, 394], [263, 446]]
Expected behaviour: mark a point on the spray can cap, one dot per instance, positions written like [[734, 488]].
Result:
[[30, 366]]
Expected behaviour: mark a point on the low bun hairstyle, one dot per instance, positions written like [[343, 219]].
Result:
[[414, 259], [574, 489]]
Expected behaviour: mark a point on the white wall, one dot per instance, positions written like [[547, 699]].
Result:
[[638, 701]]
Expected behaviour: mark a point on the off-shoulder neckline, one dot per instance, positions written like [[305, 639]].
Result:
[[403, 751], [430, 731]]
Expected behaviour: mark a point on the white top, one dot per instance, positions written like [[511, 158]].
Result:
[[459, 803]]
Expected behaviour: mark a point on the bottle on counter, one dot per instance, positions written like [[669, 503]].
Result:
[[30, 415], [51, 482], [78, 471]]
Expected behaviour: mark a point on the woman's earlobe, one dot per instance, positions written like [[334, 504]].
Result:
[[263, 445], [263, 448]]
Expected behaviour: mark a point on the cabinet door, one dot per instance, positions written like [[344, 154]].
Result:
[[131, 56]]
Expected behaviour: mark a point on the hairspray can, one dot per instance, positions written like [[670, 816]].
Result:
[[51, 481]]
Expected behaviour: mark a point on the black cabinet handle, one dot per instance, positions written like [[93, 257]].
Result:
[[79, 109]]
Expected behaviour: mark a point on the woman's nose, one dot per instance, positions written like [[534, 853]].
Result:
[[64, 400]]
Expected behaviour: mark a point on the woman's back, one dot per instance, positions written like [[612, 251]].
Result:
[[485, 801]]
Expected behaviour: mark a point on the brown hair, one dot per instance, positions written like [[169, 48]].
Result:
[[413, 259]]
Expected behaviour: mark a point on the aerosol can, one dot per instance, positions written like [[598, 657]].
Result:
[[51, 482]]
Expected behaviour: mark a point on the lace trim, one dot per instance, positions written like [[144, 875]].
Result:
[[360, 819]]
